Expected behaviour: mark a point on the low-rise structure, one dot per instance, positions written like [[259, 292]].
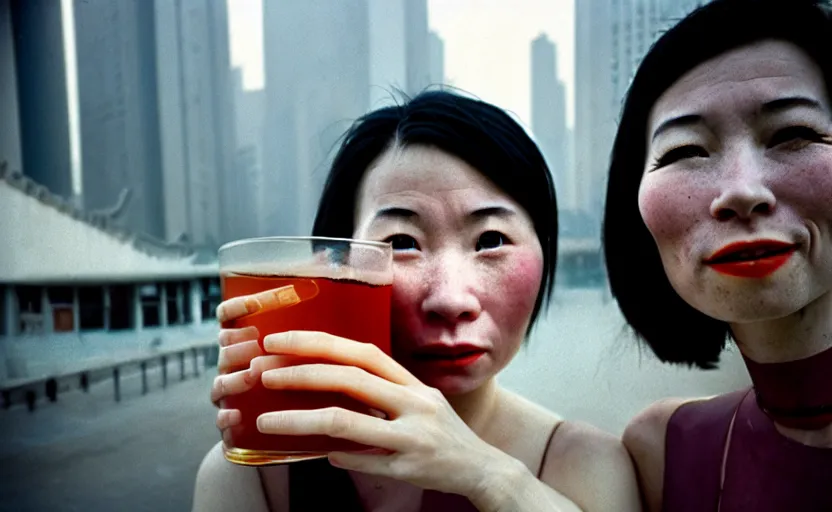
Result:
[[75, 289]]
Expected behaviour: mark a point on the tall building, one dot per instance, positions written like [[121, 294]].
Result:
[[10, 149], [611, 38], [436, 49], [206, 108], [38, 139], [118, 112], [243, 208], [400, 49], [548, 116], [156, 115], [317, 70]]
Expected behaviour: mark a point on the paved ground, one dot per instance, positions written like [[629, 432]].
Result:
[[88, 453]]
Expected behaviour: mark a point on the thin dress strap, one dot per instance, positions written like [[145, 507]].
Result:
[[726, 449], [546, 449]]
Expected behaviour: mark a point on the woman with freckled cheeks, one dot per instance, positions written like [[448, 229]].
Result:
[[465, 199], [718, 226]]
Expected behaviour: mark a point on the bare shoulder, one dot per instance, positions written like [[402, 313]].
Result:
[[221, 485], [644, 439], [517, 405], [592, 468]]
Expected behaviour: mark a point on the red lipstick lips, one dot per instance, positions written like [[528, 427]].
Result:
[[460, 355], [755, 259]]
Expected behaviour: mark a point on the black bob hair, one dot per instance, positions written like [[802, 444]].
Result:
[[480, 134], [674, 330]]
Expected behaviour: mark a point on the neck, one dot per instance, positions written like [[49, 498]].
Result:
[[800, 335], [789, 360], [475, 408]]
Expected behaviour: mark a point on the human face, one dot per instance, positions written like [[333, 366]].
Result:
[[467, 265], [740, 151]]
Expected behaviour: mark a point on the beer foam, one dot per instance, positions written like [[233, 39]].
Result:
[[311, 270]]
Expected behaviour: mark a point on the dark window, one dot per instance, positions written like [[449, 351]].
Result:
[[172, 290], [30, 306], [211, 296], [187, 314], [121, 307], [91, 306], [149, 294]]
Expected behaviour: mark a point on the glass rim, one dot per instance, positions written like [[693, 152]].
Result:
[[301, 238]]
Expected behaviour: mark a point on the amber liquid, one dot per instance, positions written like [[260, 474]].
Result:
[[346, 308]]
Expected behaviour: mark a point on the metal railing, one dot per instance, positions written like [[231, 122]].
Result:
[[29, 390]]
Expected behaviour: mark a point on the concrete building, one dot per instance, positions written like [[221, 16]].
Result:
[[611, 38], [242, 212], [35, 136], [400, 49], [548, 116], [119, 114], [436, 50], [317, 71], [75, 289]]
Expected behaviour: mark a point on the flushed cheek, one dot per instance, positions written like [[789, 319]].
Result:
[[671, 210], [511, 295]]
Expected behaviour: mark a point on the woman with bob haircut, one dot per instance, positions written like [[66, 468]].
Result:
[[466, 200], [718, 225]]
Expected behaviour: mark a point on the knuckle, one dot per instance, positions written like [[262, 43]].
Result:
[[339, 421]]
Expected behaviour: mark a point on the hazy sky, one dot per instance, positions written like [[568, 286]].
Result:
[[487, 45]]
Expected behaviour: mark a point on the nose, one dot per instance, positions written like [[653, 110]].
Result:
[[743, 192], [452, 289]]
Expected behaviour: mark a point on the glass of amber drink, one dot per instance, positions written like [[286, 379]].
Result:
[[338, 286]]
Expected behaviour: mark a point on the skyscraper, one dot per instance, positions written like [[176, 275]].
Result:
[[436, 49], [156, 114], [400, 49], [317, 69], [41, 88], [118, 111], [611, 38], [548, 116], [10, 150]]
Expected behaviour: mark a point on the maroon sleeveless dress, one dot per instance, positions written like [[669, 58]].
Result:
[[725, 454], [315, 485]]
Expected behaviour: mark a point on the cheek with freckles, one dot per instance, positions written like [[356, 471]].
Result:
[[510, 296], [806, 185], [675, 208]]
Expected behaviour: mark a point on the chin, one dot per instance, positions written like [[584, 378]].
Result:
[[754, 301], [453, 385]]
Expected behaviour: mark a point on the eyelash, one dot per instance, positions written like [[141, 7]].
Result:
[[790, 134], [399, 238]]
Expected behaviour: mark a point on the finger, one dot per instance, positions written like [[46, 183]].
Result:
[[228, 337], [339, 350], [333, 422], [354, 382], [267, 300], [227, 418], [231, 384], [375, 461], [237, 357], [264, 363]]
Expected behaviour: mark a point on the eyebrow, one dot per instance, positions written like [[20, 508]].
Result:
[[677, 122], [771, 107], [782, 104], [480, 213]]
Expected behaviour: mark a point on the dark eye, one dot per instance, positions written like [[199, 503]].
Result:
[[800, 136], [402, 242], [491, 240], [681, 153]]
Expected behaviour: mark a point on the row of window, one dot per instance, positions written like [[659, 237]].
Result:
[[112, 307]]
